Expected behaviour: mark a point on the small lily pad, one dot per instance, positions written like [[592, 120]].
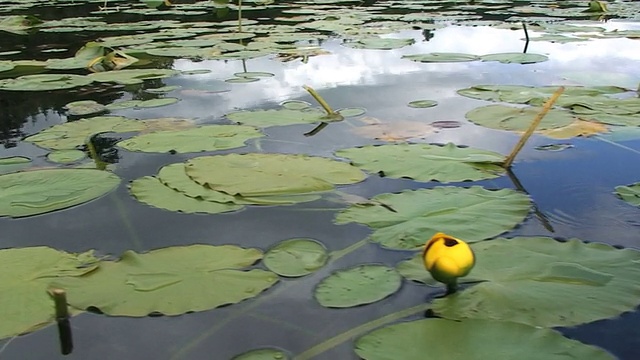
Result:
[[241, 80], [438, 57], [423, 103], [263, 354], [629, 193], [85, 107], [65, 156], [351, 112], [360, 285], [295, 105], [13, 163], [296, 257]]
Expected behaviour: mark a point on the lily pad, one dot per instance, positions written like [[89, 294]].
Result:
[[295, 105], [281, 117], [296, 257], [522, 278], [263, 354], [423, 103], [157, 281], [510, 118], [44, 82], [151, 191], [85, 107], [471, 214], [471, 340], [251, 175], [65, 156], [25, 276], [204, 138], [380, 43], [531, 95], [629, 193], [515, 58], [438, 57], [423, 162], [132, 76], [360, 285], [42, 191], [13, 163], [351, 112]]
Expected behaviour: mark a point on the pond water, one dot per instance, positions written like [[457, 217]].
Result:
[[572, 189]]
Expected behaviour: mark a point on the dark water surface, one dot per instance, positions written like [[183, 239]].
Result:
[[572, 188]]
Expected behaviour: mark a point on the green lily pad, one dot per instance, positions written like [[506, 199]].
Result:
[[296, 257], [13, 163], [511, 118], [85, 107], [423, 103], [25, 277], [151, 191], [437, 57], [240, 80], [157, 281], [360, 285], [44, 82], [351, 112], [423, 162], [380, 43], [42, 191], [163, 89], [263, 354], [65, 156], [295, 105], [254, 74], [471, 340], [151, 103], [132, 76], [204, 138], [523, 277], [252, 175], [281, 117], [629, 193], [515, 58], [531, 95], [471, 214], [72, 134]]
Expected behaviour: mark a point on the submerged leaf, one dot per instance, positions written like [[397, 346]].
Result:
[[471, 340], [25, 276], [424, 162], [472, 214], [360, 285], [42, 191], [157, 281]]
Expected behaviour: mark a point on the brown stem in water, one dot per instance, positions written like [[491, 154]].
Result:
[[320, 100], [545, 109]]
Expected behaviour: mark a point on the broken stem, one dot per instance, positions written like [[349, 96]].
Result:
[[545, 109], [320, 100]]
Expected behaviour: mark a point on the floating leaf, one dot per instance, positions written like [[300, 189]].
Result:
[[531, 95], [265, 118], [44, 82], [471, 340], [471, 214], [510, 118], [204, 138], [65, 156], [296, 257], [151, 191], [239, 80], [251, 175], [72, 134], [295, 105], [157, 281], [423, 103], [524, 277], [441, 57], [394, 131], [629, 193], [379, 43], [360, 285], [263, 354], [132, 76], [13, 163], [254, 74], [423, 162], [42, 191], [515, 58], [85, 107], [351, 112], [25, 276]]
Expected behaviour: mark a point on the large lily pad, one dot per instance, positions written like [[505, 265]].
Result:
[[471, 214], [425, 162], [542, 282], [132, 76], [629, 193], [296, 257], [251, 175], [13, 163], [42, 191], [471, 340], [360, 285], [531, 95], [510, 118], [151, 191], [205, 138], [44, 82], [281, 117], [160, 280], [25, 276], [515, 58]]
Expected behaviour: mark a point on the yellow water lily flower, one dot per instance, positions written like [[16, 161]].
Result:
[[448, 258]]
